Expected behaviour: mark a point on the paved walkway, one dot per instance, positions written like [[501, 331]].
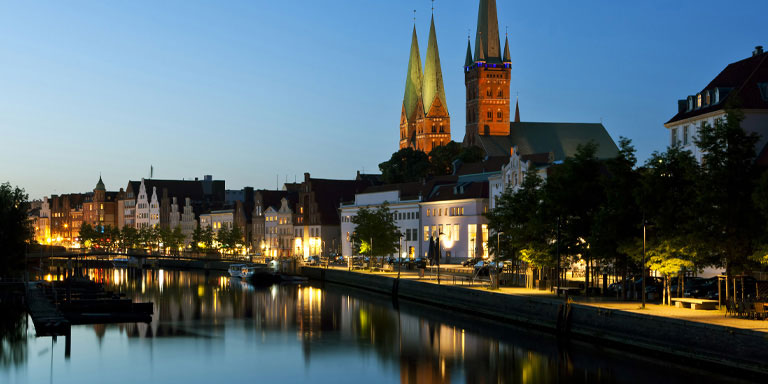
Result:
[[704, 316]]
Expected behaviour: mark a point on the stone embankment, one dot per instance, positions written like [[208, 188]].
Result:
[[692, 343]]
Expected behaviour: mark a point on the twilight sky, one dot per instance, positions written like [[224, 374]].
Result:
[[249, 90]]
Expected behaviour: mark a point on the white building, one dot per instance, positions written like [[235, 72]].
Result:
[[402, 200], [513, 173], [745, 81], [142, 207], [217, 220], [455, 214], [279, 234], [185, 220]]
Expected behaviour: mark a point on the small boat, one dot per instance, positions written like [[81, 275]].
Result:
[[236, 270]]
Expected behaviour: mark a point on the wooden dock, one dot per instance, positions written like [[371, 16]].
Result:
[[56, 306], [48, 320]]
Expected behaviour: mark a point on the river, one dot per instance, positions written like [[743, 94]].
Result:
[[209, 328]]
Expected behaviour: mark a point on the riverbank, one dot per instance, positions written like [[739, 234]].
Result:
[[694, 343]]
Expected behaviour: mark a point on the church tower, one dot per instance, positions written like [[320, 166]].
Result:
[[436, 127], [424, 119], [487, 79], [413, 109]]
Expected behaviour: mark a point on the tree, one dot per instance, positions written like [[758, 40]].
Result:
[[760, 200], [406, 165], [377, 226], [441, 158], [224, 238], [175, 240], [618, 221], [526, 231], [129, 237], [669, 197], [197, 238], [88, 235], [15, 231], [573, 196], [729, 219]]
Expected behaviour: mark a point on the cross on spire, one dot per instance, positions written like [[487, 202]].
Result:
[[414, 16], [433, 7]]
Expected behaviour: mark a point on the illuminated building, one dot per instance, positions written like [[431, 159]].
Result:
[[317, 216], [262, 200], [100, 207], [424, 119], [402, 200]]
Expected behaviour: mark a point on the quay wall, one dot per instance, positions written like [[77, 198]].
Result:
[[691, 343]]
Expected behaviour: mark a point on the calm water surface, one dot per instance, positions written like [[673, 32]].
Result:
[[208, 328]]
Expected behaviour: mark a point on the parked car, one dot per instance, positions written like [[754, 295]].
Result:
[[470, 262]]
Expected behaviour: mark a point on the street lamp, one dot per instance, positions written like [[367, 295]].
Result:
[[399, 254], [498, 254], [643, 266]]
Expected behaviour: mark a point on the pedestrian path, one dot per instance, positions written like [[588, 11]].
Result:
[[715, 317]]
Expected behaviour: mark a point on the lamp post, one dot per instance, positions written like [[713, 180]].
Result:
[[643, 266], [399, 254], [498, 254]]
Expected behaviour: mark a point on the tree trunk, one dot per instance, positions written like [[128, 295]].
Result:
[[586, 277]]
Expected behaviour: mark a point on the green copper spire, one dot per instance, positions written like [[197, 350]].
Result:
[[488, 32], [413, 79], [507, 57], [433, 74], [100, 185], [468, 61]]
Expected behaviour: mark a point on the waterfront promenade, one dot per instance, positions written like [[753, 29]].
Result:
[[713, 317]]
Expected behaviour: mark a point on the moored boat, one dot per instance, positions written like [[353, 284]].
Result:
[[236, 270]]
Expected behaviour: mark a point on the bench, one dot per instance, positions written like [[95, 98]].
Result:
[[694, 304]]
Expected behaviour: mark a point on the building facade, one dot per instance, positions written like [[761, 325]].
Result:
[[742, 85], [405, 211], [100, 207]]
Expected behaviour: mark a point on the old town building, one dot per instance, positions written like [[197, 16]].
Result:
[[743, 85], [100, 207]]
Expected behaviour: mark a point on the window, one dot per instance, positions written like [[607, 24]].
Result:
[[456, 232], [685, 134], [439, 230], [434, 129], [489, 115], [488, 92], [426, 232], [434, 230], [501, 93], [407, 235], [442, 129], [673, 137], [499, 115], [428, 212], [698, 101]]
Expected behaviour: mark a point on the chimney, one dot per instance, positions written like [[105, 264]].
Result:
[[758, 51]]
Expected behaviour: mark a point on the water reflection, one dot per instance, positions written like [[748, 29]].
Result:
[[13, 334], [206, 324]]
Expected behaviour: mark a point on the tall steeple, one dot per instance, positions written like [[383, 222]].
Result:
[[468, 61], [487, 80], [413, 80], [507, 56], [488, 32], [517, 110], [433, 73]]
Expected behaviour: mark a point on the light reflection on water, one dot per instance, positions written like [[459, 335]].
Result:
[[209, 327]]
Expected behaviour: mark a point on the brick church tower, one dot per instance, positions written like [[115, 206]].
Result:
[[424, 120], [487, 78]]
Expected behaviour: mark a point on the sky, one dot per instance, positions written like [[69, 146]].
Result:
[[258, 92]]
